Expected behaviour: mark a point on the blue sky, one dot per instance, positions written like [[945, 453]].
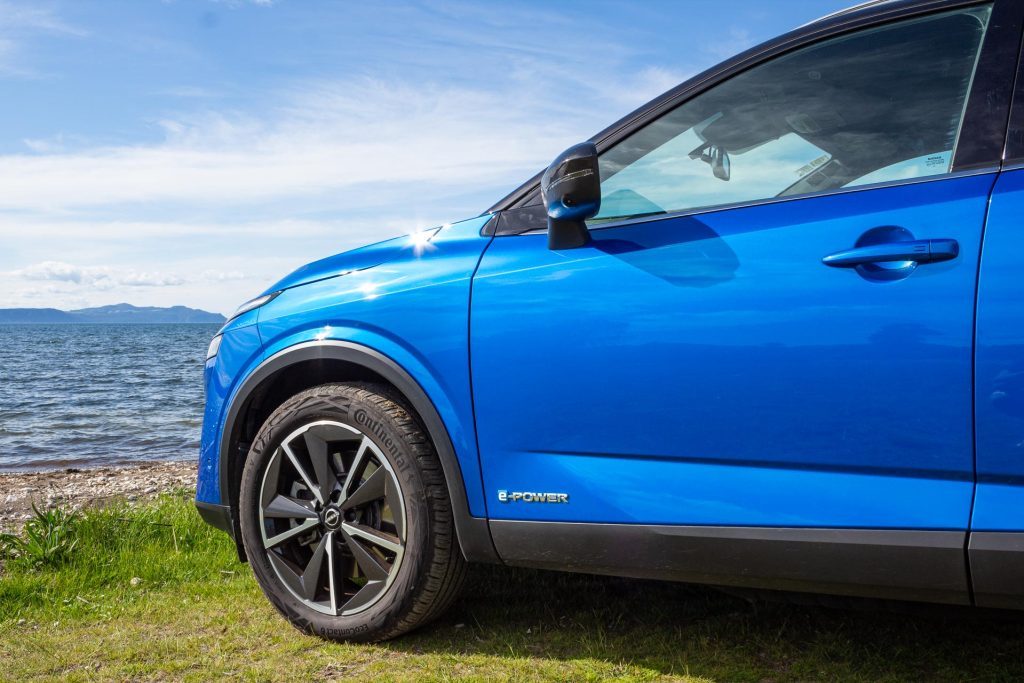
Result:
[[191, 152]]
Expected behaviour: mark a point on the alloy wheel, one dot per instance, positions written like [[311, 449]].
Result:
[[332, 517]]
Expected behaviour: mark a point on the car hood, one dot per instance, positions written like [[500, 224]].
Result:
[[356, 259]]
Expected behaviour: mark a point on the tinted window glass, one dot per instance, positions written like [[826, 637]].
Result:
[[878, 105]]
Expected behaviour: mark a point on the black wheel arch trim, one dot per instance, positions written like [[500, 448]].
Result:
[[216, 515], [474, 536]]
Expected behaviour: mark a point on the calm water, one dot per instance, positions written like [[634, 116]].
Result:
[[73, 395]]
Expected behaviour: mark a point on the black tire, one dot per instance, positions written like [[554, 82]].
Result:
[[431, 570]]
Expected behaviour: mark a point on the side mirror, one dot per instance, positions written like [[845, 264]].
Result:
[[571, 191]]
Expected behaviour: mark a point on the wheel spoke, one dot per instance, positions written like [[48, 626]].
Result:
[[302, 473], [370, 565], [290, 577], [378, 538], [289, 508], [370, 490], [390, 495], [271, 479], [290, 533], [306, 583], [325, 477], [365, 595], [315, 566], [356, 467], [331, 573]]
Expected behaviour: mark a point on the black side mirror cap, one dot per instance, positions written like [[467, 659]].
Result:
[[571, 191]]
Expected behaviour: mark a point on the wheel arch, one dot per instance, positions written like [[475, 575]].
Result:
[[308, 364]]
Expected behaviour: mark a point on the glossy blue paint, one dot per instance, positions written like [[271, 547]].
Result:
[[710, 369], [356, 259], [240, 349], [999, 385], [413, 308]]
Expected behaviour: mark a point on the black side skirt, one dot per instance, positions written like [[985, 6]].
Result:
[[924, 566], [997, 568]]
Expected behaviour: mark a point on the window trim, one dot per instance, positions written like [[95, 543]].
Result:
[[987, 115], [1013, 152], [502, 231], [983, 134]]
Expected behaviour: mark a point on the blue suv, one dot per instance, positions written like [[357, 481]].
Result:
[[766, 331]]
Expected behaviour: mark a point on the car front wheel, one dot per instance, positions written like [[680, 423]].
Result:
[[345, 515]]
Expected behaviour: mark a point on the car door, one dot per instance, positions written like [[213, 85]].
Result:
[[749, 340]]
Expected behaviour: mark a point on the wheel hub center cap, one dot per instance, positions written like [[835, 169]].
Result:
[[332, 518]]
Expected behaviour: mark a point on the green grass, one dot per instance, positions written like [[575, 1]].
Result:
[[197, 614]]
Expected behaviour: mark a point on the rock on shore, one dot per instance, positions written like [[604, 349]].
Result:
[[79, 488]]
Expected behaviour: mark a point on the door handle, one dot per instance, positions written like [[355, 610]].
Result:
[[918, 251]]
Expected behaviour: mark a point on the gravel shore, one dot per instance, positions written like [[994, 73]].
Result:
[[78, 488]]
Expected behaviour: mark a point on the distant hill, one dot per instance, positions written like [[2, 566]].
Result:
[[117, 313], [35, 315]]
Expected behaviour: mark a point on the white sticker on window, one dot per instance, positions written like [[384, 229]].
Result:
[[813, 166]]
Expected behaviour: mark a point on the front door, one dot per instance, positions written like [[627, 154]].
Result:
[[713, 366]]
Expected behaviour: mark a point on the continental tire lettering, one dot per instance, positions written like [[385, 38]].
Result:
[[329, 632], [378, 430]]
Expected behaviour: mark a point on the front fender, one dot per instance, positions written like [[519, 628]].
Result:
[[408, 321], [474, 536], [413, 310]]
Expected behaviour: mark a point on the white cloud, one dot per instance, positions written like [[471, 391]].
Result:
[[9, 63], [45, 145], [149, 279], [52, 270], [223, 276], [18, 23], [99, 277], [328, 138], [34, 17]]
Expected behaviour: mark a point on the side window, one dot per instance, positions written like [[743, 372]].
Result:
[[878, 105]]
